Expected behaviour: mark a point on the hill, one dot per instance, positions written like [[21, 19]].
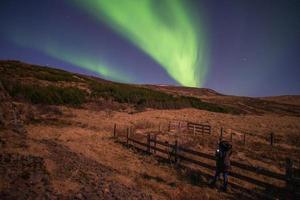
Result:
[[56, 141], [285, 99], [283, 105], [36, 84]]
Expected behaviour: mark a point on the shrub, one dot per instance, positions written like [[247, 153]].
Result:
[[144, 97], [51, 95], [196, 103], [133, 95], [54, 76]]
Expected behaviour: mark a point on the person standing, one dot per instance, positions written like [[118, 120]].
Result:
[[223, 166]]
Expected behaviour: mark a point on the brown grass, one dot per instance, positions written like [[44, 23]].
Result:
[[88, 133]]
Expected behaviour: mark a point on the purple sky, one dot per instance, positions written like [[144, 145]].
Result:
[[254, 44]]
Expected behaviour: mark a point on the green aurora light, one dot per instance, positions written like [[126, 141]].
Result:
[[163, 29], [69, 55], [89, 63]]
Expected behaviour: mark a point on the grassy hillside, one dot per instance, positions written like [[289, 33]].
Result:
[[43, 85], [282, 105], [62, 152]]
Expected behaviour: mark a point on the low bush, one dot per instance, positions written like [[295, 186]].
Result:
[[55, 76], [144, 97], [51, 95]]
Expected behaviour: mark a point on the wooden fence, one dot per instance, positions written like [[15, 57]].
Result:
[[180, 126], [176, 126], [196, 129], [269, 138], [285, 183]]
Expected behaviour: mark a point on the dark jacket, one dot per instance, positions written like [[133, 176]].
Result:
[[223, 157]]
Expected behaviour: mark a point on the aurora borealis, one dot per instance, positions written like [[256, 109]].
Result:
[[236, 47], [162, 29]]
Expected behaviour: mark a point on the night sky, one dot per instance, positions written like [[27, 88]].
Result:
[[239, 47]]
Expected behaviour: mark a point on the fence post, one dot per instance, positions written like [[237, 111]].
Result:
[[289, 174], [244, 138], [175, 151], [271, 138], [194, 130], [115, 131], [148, 143], [221, 134], [127, 137], [179, 127], [155, 138]]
